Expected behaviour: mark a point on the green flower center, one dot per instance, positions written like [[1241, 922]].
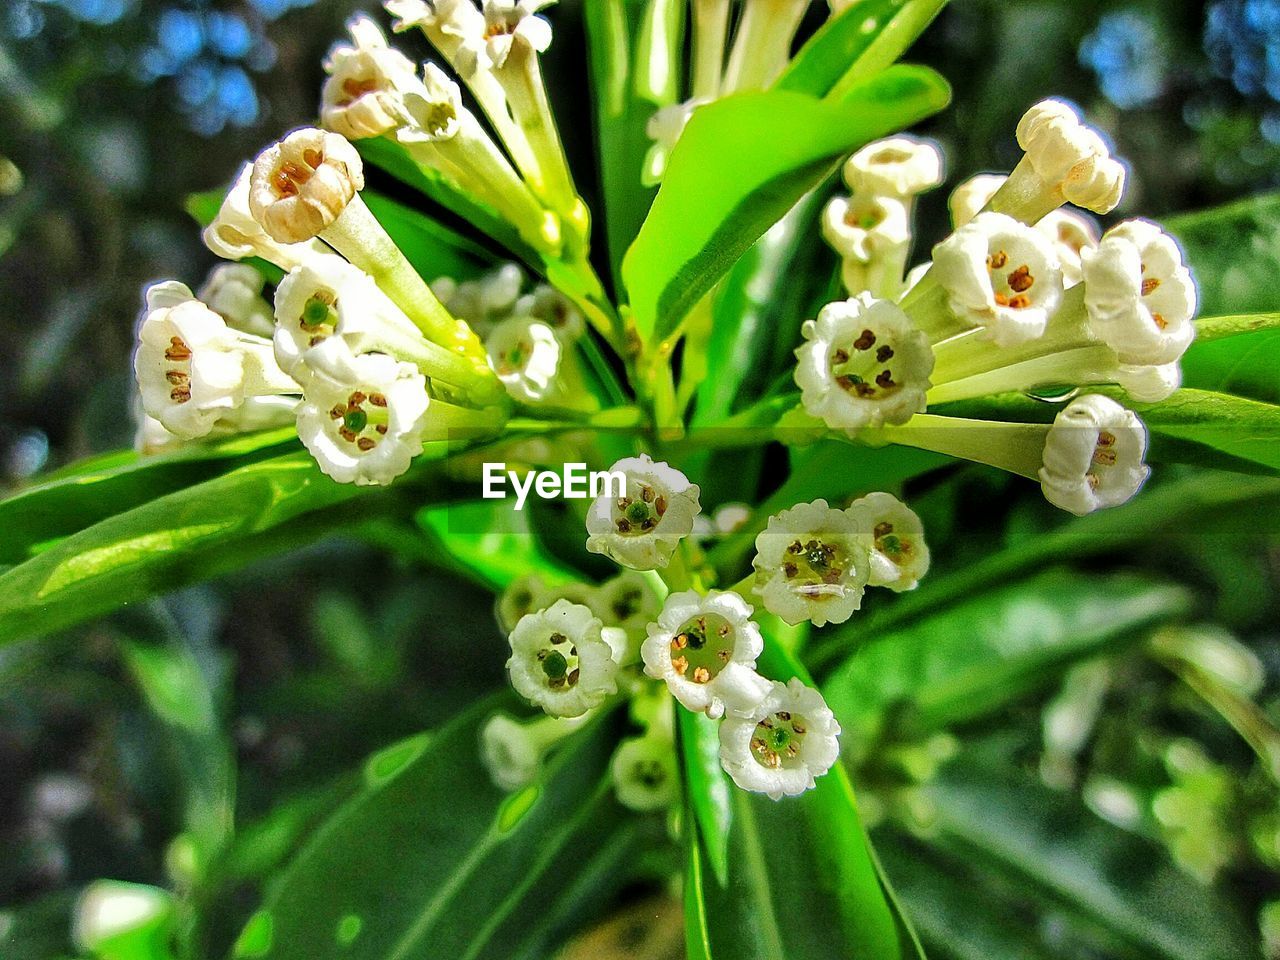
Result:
[[816, 568], [640, 514], [701, 647], [862, 368], [777, 739], [559, 662]]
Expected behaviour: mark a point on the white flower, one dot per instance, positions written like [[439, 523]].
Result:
[[192, 369], [300, 185], [234, 292], [457, 19], [895, 537], [364, 93], [553, 308], [863, 364], [811, 564], [328, 298], [645, 777], [664, 128], [787, 742], [969, 199], [108, 910], [1140, 296], [234, 234], [363, 417], [517, 600], [704, 648], [1071, 233], [150, 436], [526, 355], [863, 228], [506, 23], [1000, 275], [896, 167], [512, 750], [1093, 456], [486, 300], [1071, 156], [434, 108], [1151, 383], [628, 602], [561, 661], [642, 528]]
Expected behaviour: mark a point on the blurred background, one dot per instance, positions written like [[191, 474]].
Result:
[[113, 111]]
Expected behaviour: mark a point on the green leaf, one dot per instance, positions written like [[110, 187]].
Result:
[[490, 541], [973, 658], [431, 860], [708, 788], [192, 534], [433, 249], [634, 56], [839, 43], [1234, 253], [1236, 354], [92, 490], [741, 164], [1208, 503], [801, 879], [991, 811]]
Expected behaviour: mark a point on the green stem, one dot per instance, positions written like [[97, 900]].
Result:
[[1013, 447]]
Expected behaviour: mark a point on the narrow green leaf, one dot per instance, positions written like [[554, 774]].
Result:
[[1234, 253], [982, 808], [431, 860], [838, 44], [708, 788], [801, 879], [92, 490], [633, 48], [741, 164], [192, 534], [1237, 355], [973, 658]]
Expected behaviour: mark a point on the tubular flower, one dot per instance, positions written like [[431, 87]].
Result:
[[969, 199], [664, 129], [863, 364], [784, 745], [363, 417], [896, 167], [234, 292], [333, 298], [1093, 456], [645, 777], [513, 751], [704, 648], [195, 372], [553, 308], [506, 23], [485, 301], [447, 23], [642, 528], [811, 563], [1071, 234], [895, 541], [364, 93], [1139, 295], [628, 602], [526, 355], [863, 227], [1000, 275], [1070, 158], [302, 184], [234, 233], [561, 659]]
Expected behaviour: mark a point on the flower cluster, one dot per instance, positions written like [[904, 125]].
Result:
[[1024, 296], [355, 348], [573, 645]]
